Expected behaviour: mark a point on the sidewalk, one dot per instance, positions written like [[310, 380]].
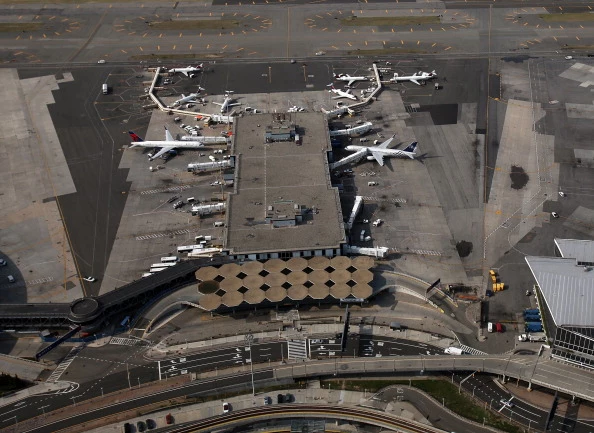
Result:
[[161, 351], [40, 388]]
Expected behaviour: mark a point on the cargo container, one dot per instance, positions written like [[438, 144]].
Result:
[[533, 327]]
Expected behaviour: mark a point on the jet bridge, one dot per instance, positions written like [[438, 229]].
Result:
[[350, 158], [356, 209]]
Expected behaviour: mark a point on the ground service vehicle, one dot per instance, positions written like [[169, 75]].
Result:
[[105, 89], [534, 338]]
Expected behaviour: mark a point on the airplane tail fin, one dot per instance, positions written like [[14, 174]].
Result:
[[134, 136], [412, 147]]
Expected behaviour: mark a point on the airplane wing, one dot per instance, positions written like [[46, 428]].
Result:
[[415, 81], [336, 97], [379, 156], [168, 136], [162, 151], [386, 143], [218, 103], [184, 72], [351, 82]]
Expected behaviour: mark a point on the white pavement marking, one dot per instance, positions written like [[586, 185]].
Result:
[[65, 364], [162, 235], [171, 189], [39, 281], [297, 349], [128, 341]]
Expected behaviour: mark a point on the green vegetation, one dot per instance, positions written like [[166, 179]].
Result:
[[572, 17], [440, 390], [389, 21], [10, 384], [196, 25], [20, 27]]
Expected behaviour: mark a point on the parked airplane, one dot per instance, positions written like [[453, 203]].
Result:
[[167, 146], [190, 98], [415, 78], [378, 152], [190, 71], [227, 102], [341, 93], [347, 77]]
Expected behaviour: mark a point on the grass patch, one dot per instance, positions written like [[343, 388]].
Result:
[[440, 390], [389, 21], [20, 27], [573, 17], [382, 51], [196, 25], [578, 47]]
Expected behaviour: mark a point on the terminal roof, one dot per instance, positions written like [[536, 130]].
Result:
[[271, 176], [582, 250], [567, 289]]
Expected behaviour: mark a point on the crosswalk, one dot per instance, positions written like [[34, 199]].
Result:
[[426, 252], [128, 341], [297, 349], [170, 189], [389, 200], [55, 376], [471, 350], [162, 235], [40, 281]]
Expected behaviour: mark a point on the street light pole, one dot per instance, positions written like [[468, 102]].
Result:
[[128, 373], [249, 338]]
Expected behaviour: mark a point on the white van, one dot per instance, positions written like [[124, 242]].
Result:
[[219, 223], [490, 327], [105, 89], [371, 183]]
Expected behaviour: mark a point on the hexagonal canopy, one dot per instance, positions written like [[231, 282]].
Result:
[[362, 276], [297, 278], [296, 264], [340, 276], [276, 279], [210, 302], [297, 293], [274, 265], [253, 281], [252, 267], [230, 284], [340, 291], [254, 296], [362, 262], [318, 277], [319, 291], [340, 262], [229, 270], [276, 294], [207, 273], [232, 299], [319, 262], [362, 291]]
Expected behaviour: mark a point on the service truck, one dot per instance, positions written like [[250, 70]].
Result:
[[535, 338]]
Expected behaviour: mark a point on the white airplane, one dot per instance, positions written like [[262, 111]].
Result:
[[341, 93], [190, 98], [378, 152], [350, 79], [167, 146], [227, 102], [415, 78], [190, 71]]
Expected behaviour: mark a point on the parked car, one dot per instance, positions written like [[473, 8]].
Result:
[[267, 400], [150, 424], [280, 398], [226, 407], [140, 426], [169, 419]]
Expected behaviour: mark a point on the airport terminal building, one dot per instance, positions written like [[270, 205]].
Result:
[[565, 294], [283, 204]]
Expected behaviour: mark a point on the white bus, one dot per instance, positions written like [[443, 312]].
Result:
[[154, 270], [172, 259]]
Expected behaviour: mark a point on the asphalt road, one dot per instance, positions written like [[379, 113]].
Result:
[[487, 390]]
